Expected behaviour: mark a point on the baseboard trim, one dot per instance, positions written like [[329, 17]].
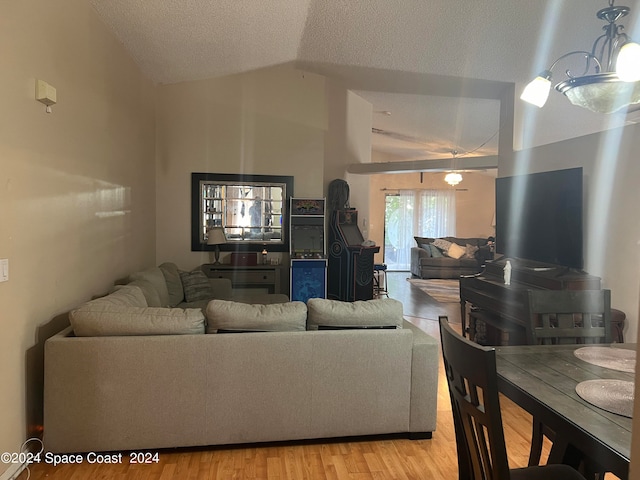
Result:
[[14, 470], [420, 435], [29, 449]]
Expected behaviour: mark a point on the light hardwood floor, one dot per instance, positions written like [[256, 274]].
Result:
[[379, 458]]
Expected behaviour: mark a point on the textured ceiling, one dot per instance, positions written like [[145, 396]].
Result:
[[401, 56]]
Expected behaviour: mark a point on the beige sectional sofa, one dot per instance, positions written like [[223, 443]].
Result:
[[128, 377]]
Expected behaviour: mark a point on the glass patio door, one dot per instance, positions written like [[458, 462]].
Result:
[[409, 213], [398, 231]]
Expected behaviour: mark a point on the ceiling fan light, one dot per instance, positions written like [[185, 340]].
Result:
[[628, 62], [537, 91], [453, 178]]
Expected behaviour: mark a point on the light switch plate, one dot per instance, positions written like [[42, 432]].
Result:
[[4, 269]]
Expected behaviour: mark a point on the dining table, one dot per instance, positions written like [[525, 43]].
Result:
[[545, 379]]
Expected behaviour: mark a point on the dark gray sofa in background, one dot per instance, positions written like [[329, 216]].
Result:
[[429, 263]]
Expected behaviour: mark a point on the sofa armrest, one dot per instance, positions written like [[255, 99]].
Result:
[[424, 380], [417, 254]]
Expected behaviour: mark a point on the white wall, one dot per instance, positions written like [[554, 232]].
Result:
[[269, 122], [77, 203], [358, 150]]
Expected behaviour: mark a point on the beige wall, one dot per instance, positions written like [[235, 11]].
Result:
[[77, 205], [348, 141], [276, 121], [270, 122], [475, 201], [358, 136]]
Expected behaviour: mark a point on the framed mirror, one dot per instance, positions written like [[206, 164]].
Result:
[[251, 210]]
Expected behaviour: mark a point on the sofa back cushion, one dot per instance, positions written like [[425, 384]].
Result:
[[102, 319], [226, 315], [423, 241], [463, 242], [383, 312], [153, 285], [174, 284], [122, 295]]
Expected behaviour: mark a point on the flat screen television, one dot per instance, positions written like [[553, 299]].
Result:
[[539, 217]]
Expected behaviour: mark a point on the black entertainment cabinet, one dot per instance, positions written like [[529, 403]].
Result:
[[504, 306], [350, 269]]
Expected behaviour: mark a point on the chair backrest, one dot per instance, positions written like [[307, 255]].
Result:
[[569, 316], [473, 387]]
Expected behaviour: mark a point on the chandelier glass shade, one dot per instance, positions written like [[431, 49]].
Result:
[[610, 79]]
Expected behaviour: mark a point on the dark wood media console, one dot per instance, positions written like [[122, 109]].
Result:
[[504, 306]]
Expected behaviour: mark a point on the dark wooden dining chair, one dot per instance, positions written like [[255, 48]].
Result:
[[569, 316], [473, 387], [565, 317]]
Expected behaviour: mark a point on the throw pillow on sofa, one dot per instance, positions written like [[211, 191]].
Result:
[[435, 251], [470, 251], [456, 251], [383, 312], [228, 316], [196, 286], [426, 247], [442, 244]]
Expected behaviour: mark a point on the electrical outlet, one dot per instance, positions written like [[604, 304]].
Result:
[[4, 269]]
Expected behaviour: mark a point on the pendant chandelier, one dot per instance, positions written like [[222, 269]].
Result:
[[609, 81], [453, 177]]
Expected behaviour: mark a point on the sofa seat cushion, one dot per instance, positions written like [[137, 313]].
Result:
[[235, 316], [102, 319], [448, 262], [383, 312]]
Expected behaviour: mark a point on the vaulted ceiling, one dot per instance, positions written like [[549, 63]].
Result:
[[437, 66]]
